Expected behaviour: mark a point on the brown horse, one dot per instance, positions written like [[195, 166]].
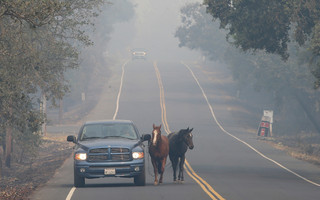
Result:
[[158, 150]]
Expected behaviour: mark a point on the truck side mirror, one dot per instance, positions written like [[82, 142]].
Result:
[[71, 138], [146, 137]]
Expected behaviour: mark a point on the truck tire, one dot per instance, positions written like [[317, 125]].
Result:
[[140, 180], [78, 181]]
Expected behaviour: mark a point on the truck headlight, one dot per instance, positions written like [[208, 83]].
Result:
[[80, 156], [137, 155]]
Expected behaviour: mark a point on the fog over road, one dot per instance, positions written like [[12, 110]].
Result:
[[229, 166]]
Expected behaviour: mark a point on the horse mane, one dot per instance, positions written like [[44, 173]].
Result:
[[182, 132], [185, 131], [176, 136]]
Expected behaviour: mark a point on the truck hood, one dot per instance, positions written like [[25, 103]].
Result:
[[109, 142]]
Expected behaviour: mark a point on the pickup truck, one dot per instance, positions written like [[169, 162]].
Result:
[[110, 148]]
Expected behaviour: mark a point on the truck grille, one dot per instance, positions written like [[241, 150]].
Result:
[[119, 150], [100, 150], [121, 157], [97, 158], [109, 154]]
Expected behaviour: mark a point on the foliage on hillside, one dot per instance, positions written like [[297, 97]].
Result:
[[40, 42], [285, 82], [96, 60], [270, 25]]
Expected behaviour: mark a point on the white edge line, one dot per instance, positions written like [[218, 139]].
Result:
[[248, 145], [114, 117], [120, 89]]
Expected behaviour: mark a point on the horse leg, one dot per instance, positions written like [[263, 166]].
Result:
[[182, 159], [179, 170], [155, 168], [174, 162], [163, 165]]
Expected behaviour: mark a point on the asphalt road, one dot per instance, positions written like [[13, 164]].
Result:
[[233, 162]]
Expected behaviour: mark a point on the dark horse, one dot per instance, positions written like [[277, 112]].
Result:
[[158, 150], [179, 142]]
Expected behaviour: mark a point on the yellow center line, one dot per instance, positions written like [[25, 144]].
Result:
[[203, 184], [162, 101]]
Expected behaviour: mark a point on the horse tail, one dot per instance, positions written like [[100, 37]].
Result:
[[159, 168]]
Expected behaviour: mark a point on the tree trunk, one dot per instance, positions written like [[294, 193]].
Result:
[[43, 108], [8, 150], [60, 111], [1, 152]]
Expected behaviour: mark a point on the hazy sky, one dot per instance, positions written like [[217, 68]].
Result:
[[153, 28]]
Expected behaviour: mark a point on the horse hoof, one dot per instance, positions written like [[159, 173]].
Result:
[[175, 181], [155, 183], [181, 182]]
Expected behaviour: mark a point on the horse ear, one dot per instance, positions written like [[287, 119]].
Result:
[[154, 126], [160, 126], [190, 130]]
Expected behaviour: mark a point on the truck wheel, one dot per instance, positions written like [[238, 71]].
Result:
[[140, 180], [78, 181]]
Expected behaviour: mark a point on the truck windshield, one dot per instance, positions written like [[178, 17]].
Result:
[[96, 131]]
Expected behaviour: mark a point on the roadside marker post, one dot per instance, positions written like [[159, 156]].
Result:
[[265, 125]]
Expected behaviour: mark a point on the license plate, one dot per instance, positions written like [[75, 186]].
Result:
[[109, 171]]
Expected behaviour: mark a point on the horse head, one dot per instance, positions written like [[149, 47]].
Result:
[[187, 137], [156, 134]]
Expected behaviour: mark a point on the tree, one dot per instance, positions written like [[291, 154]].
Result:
[[286, 82], [95, 59], [38, 43], [266, 25], [197, 27]]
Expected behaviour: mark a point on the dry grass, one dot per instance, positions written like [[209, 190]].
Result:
[[303, 146], [21, 179]]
